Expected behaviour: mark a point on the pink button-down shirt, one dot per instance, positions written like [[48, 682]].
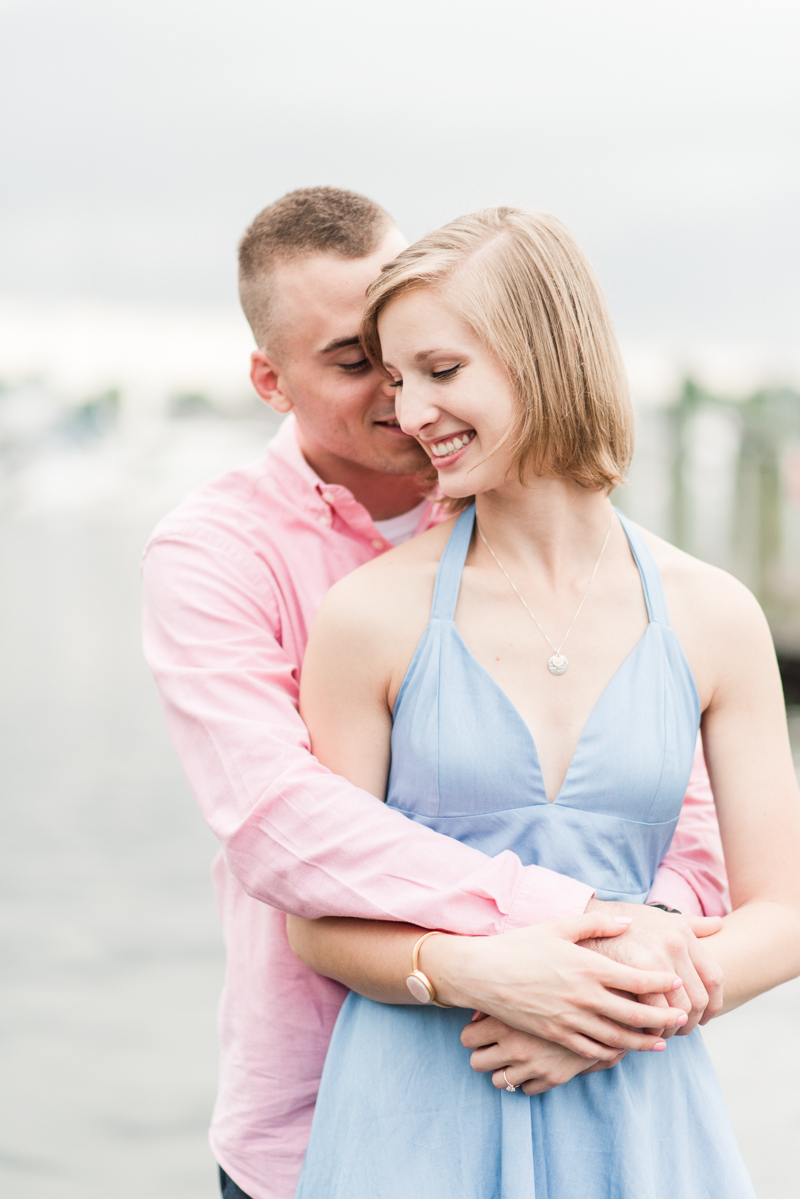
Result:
[[232, 581]]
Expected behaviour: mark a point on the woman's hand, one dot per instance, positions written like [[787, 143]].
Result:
[[529, 1062], [540, 981]]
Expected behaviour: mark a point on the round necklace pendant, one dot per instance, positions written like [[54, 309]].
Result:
[[557, 664]]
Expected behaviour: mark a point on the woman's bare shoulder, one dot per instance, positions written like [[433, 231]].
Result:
[[705, 598], [386, 594], [705, 583]]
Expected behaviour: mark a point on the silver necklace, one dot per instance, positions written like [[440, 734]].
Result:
[[557, 664]]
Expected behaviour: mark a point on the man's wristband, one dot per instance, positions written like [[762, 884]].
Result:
[[664, 908]]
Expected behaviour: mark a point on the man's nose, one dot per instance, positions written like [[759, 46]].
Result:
[[386, 389]]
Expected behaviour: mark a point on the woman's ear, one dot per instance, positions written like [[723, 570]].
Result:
[[266, 378]]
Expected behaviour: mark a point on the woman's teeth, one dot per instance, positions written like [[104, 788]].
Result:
[[441, 449]]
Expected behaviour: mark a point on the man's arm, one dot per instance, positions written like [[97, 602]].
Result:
[[295, 835], [692, 876]]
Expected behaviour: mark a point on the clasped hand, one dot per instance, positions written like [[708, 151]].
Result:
[[653, 941]]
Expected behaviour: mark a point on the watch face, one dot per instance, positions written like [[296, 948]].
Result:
[[418, 989]]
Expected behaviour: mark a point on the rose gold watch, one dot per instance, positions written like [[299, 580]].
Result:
[[417, 982]]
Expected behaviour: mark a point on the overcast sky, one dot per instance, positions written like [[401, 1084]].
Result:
[[141, 136]]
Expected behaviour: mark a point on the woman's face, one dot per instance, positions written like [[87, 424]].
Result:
[[452, 394]]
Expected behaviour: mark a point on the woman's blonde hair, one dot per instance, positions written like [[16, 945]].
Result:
[[519, 279]]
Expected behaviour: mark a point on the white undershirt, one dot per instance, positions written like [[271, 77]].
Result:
[[401, 528]]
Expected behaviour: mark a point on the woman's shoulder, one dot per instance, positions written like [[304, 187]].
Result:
[[704, 599], [391, 591], [700, 580]]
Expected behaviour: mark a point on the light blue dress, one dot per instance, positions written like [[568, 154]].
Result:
[[400, 1113]]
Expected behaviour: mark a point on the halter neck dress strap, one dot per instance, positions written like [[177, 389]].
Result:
[[648, 572], [451, 567]]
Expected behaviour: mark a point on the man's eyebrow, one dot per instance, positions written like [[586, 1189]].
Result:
[[340, 343]]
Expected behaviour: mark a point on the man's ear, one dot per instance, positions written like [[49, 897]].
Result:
[[266, 378]]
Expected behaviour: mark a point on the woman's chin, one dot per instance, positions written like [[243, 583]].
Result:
[[452, 490]]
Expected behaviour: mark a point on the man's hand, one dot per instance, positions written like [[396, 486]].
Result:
[[658, 940], [540, 981], [529, 1062]]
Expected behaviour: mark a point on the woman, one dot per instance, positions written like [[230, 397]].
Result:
[[531, 676]]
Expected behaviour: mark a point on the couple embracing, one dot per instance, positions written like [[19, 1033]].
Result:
[[471, 879]]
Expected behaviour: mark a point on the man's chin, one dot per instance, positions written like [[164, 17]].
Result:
[[405, 464], [396, 453]]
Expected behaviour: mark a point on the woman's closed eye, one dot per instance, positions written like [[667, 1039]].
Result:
[[447, 373]]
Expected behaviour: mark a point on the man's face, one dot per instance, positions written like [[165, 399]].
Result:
[[344, 409]]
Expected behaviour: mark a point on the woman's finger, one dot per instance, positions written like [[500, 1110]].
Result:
[[483, 1032], [604, 1039], [710, 974], [484, 1061], [635, 982], [595, 1066], [508, 1074], [643, 1015], [704, 926]]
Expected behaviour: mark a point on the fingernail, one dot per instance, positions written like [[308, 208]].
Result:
[[622, 920], [682, 1019], [678, 983], [659, 1046], [475, 1016]]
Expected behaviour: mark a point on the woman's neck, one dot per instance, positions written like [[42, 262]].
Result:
[[551, 524]]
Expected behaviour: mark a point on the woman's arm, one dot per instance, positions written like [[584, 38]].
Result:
[[372, 957], [749, 758]]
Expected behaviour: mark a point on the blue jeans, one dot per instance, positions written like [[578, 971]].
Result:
[[229, 1188]]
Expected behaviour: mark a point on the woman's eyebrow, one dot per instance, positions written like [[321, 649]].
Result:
[[423, 354]]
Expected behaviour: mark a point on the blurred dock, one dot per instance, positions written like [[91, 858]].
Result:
[[720, 477]]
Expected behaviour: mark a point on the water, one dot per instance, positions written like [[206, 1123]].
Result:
[[111, 954]]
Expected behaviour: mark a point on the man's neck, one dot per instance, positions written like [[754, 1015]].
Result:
[[384, 496]]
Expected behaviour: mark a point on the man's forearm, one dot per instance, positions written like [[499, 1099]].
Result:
[[296, 836]]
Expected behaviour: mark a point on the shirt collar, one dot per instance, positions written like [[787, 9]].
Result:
[[301, 483]]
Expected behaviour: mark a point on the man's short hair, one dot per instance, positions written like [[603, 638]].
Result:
[[313, 220]]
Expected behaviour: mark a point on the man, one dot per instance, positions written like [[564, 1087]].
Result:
[[232, 581]]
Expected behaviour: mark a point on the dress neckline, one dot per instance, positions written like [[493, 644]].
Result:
[[523, 724], [445, 599]]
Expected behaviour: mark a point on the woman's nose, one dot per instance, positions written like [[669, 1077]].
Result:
[[413, 411]]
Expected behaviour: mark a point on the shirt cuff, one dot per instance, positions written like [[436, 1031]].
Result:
[[544, 895], [671, 888]]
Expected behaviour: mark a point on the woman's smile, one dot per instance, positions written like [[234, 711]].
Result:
[[450, 448]]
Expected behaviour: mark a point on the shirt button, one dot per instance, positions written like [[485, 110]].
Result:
[[377, 545], [328, 497], [324, 519]]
